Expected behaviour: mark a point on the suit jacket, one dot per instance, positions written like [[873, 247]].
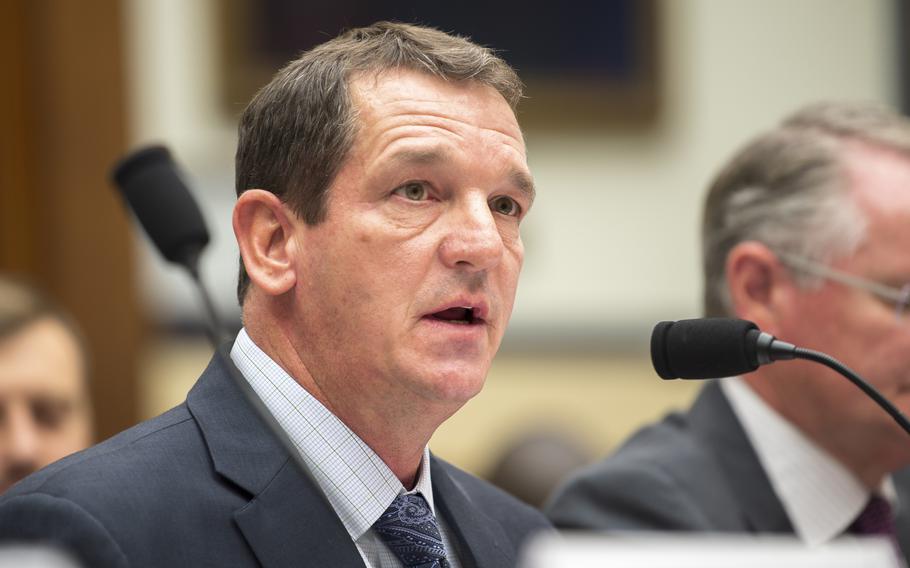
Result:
[[206, 484], [691, 472]]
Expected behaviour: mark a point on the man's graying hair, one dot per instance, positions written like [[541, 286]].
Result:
[[788, 189], [297, 130]]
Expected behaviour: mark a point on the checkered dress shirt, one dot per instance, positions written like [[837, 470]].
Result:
[[357, 483]]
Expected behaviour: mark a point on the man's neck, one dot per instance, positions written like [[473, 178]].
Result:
[[398, 430], [860, 457]]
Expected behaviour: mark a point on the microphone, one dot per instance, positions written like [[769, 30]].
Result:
[[154, 189], [714, 348]]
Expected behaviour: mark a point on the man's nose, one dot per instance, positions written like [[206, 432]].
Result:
[[473, 242], [22, 437]]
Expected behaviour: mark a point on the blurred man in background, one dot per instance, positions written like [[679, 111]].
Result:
[[381, 178], [806, 233], [45, 412]]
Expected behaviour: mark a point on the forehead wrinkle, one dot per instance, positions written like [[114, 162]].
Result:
[[385, 140], [420, 156], [425, 118], [444, 121]]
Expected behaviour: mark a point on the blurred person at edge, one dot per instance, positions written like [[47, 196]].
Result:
[[806, 232], [45, 413], [381, 178]]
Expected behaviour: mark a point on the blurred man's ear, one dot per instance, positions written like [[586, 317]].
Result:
[[264, 228], [760, 286]]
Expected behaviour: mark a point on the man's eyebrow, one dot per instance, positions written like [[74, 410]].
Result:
[[525, 184], [522, 180]]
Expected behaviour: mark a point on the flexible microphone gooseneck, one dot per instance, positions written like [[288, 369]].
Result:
[[714, 348], [151, 183]]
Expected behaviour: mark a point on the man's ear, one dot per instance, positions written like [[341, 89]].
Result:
[[760, 286], [264, 228]]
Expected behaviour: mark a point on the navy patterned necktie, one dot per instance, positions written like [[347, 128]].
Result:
[[408, 527]]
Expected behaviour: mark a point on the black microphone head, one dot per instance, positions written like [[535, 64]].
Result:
[[708, 348], [151, 184]]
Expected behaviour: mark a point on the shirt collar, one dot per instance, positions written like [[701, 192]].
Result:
[[357, 483], [820, 495], [424, 484]]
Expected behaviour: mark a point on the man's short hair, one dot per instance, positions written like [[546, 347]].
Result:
[[22, 304], [788, 189], [296, 132]]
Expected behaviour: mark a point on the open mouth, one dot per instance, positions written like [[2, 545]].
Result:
[[461, 316]]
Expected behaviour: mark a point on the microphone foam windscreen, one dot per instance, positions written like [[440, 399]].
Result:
[[151, 184], [708, 348]]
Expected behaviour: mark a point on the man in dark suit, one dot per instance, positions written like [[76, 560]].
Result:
[[806, 233], [381, 181]]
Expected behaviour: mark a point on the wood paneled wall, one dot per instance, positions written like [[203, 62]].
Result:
[[62, 106]]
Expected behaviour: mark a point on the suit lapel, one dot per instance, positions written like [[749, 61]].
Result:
[[714, 421], [713, 417], [483, 541], [287, 521], [289, 524]]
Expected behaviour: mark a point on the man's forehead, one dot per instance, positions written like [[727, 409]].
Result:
[[878, 175], [43, 347], [401, 91], [879, 186]]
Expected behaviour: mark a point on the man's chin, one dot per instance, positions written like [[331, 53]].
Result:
[[453, 386]]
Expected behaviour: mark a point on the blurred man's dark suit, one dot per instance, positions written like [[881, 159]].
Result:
[[206, 484], [691, 472]]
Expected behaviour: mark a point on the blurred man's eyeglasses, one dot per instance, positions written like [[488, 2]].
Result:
[[900, 297]]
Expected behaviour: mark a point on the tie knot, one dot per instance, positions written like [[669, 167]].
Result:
[[408, 527], [875, 519]]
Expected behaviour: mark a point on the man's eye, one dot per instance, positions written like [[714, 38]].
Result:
[[505, 205], [413, 191], [50, 414]]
